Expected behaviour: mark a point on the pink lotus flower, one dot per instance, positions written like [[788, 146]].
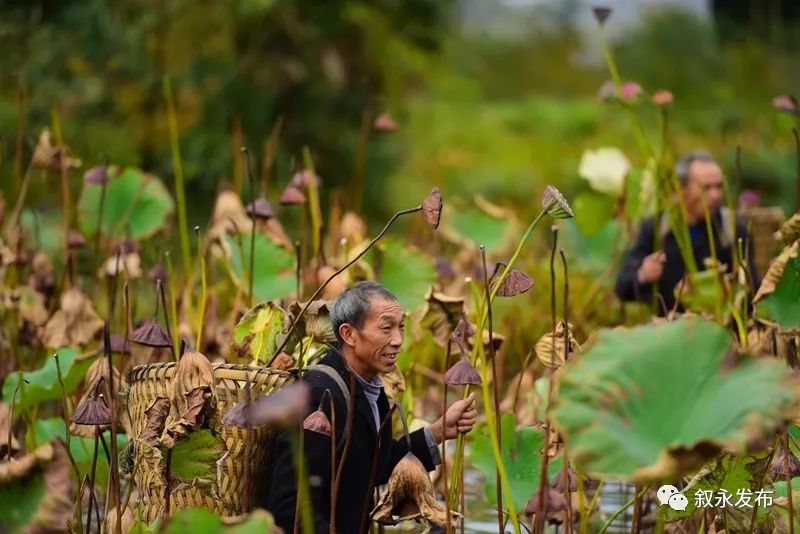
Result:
[[662, 97], [385, 123], [787, 103], [630, 91]]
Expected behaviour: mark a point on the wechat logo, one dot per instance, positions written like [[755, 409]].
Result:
[[673, 498]]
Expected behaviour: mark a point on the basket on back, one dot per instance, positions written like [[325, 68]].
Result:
[[222, 490]]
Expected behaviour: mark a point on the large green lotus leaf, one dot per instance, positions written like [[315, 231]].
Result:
[[44, 430], [473, 226], [135, 201], [654, 402], [735, 475], [257, 333], [592, 212], [204, 521], [43, 383], [701, 295], [196, 457], [592, 254], [521, 458], [780, 510], [405, 272], [274, 267], [19, 502], [783, 304]]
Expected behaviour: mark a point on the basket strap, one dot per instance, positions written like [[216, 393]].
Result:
[[334, 375]]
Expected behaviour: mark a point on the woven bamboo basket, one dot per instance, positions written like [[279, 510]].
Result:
[[224, 495]]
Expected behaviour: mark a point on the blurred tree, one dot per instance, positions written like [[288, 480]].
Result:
[[235, 66]]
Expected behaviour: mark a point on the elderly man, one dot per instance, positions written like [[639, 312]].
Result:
[[645, 268], [368, 322]]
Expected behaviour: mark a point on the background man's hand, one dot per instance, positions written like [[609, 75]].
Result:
[[652, 268], [460, 417]]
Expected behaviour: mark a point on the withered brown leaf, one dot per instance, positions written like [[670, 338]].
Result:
[[191, 398], [74, 324], [410, 495], [156, 414]]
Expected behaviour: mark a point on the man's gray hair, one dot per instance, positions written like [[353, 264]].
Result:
[[684, 164], [352, 305]]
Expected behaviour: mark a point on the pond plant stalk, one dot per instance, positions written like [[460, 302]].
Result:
[[112, 464], [499, 488], [565, 457], [254, 197], [177, 165], [203, 288], [343, 268], [538, 523], [555, 205], [373, 469]]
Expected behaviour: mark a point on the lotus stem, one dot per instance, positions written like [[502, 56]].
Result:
[[313, 205], [298, 271], [100, 212], [91, 482], [492, 422], [251, 181], [796, 134], [203, 288], [338, 272], [538, 525], [303, 507], [565, 457], [788, 477], [20, 381], [444, 443], [160, 292], [479, 335], [269, 155], [112, 466], [636, 125], [373, 468], [67, 433], [621, 510], [760, 484], [177, 165]]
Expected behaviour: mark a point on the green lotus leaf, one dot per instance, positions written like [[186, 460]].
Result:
[[196, 457], [783, 304], [257, 333], [274, 266], [43, 383], [521, 458], [655, 401], [406, 272], [136, 204]]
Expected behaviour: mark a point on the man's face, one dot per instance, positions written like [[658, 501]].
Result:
[[705, 181], [376, 344]]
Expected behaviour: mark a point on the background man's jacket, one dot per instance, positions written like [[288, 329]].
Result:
[[628, 286], [356, 494]]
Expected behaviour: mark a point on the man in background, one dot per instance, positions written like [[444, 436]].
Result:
[[646, 268]]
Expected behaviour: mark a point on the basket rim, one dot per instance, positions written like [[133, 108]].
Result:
[[147, 370]]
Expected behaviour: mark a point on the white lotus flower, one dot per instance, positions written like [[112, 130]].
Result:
[[604, 169]]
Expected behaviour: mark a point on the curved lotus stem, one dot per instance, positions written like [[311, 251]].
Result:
[[319, 290]]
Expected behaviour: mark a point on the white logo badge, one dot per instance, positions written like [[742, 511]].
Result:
[[670, 496]]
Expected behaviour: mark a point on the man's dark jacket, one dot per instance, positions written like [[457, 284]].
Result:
[[355, 498], [628, 286]]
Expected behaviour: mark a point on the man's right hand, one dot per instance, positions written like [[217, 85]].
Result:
[[652, 268]]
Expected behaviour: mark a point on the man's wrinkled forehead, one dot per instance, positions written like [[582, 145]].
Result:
[[382, 309]]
